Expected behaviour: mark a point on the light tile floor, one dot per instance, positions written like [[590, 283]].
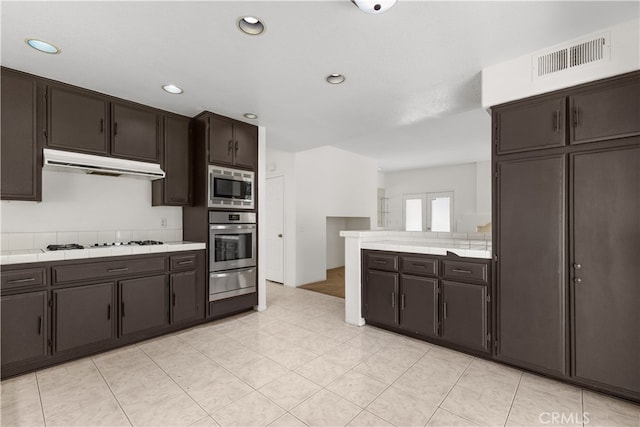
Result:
[[297, 364]]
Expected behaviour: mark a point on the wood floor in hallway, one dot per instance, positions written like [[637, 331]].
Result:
[[334, 285]]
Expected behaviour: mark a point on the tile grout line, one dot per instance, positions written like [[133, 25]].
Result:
[[179, 386], [513, 399], [111, 390], [44, 418], [450, 390]]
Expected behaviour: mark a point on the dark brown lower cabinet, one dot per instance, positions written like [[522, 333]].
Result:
[[606, 267], [531, 262], [143, 304], [465, 315], [381, 294], [185, 296], [83, 315], [419, 304], [24, 330]]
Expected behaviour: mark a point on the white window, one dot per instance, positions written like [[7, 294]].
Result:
[[428, 212]]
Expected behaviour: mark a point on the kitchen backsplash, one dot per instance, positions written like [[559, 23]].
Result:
[[87, 209], [40, 240]]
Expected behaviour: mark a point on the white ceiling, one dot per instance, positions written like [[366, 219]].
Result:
[[412, 94]]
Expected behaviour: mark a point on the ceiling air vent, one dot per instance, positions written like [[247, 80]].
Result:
[[576, 54]]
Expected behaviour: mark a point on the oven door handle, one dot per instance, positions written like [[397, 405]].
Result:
[[232, 227], [243, 270]]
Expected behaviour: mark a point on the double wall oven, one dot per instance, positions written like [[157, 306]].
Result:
[[232, 254]]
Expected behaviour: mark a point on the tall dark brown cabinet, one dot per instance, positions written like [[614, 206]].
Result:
[[21, 145], [567, 233]]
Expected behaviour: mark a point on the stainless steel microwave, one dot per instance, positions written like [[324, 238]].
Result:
[[231, 188]]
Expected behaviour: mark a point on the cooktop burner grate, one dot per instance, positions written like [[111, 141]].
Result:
[[64, 247]]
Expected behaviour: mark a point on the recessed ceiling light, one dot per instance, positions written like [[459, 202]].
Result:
[[250, 116], [335, 78], [250, 25], [374, 6], [172, 89], [42, 46]]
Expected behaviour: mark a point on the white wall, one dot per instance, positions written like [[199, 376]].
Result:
[[470, 183], [335, 243], [329, 183], [75, 202], [512, 80]]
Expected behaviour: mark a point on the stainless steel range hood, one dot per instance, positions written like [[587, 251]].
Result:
[[100, 165]]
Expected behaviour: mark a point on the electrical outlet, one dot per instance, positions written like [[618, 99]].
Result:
[[163, 222]]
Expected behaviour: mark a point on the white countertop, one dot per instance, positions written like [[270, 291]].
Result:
[[430, 248], [40, 255]]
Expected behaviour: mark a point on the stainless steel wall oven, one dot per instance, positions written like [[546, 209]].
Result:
[[232, 254]]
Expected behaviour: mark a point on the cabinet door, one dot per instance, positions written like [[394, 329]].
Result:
[[221, 142], [77, 120], [531, 262], [21, 172], [135, 133], [246, 146], [174, 189], [381, 297], [83, 315], [185, 298], [24, 327], [605, 112], [606, 250], [464, 314], [419, 304], [143, 304], [530, 125]]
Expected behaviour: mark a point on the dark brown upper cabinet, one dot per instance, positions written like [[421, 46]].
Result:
[[606, 111], [530, 125], [135, 132], [233, 143], [175, 188], [21, 153], [88, 122], [77, 120]]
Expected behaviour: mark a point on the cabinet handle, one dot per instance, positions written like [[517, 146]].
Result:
[[39, 325], [115, 128], [174, 299], [402, 301], [117, 270], [101, 125], [122, 308], [418, 266], [456, 270], [185, 262], [444, 310], [229, 147], [236, 147], [556, 121], [377, 261], [576, 117], [30, 279], [393, 299], [109, 312]]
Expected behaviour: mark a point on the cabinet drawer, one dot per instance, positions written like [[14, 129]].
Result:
[[465, 270], [79, 272], [420, 266], [23, 278], [180, 262], [382, 262]]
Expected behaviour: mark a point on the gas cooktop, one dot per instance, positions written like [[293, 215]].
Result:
[[103, 245]]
